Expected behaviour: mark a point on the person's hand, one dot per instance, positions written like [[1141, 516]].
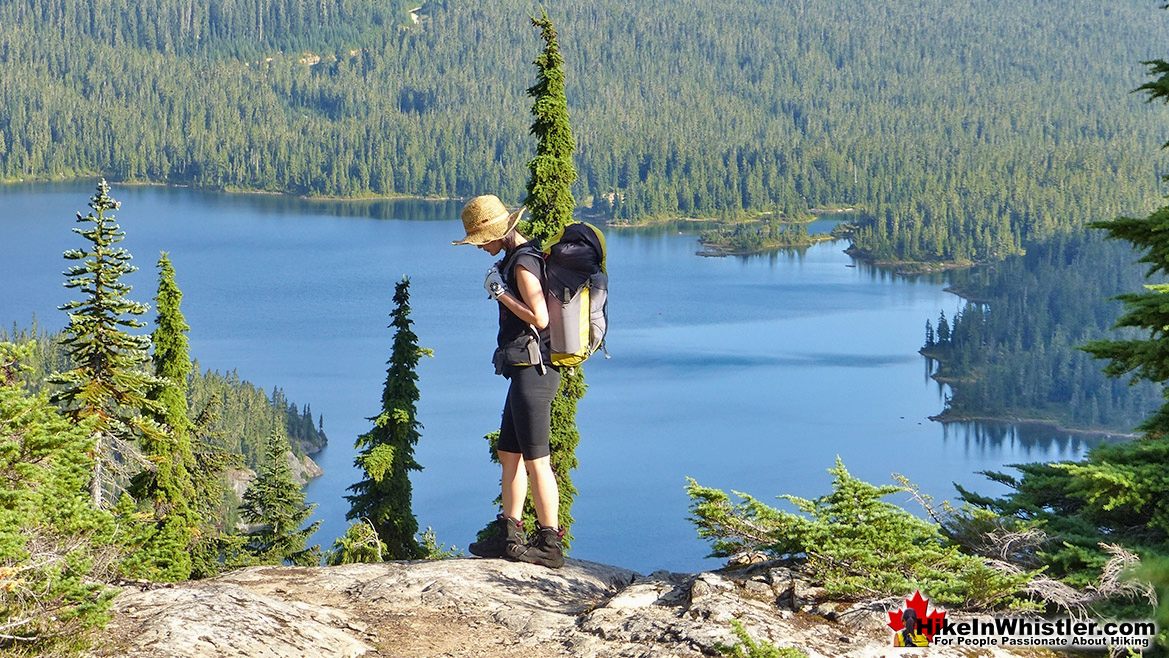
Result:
[[494, 284]]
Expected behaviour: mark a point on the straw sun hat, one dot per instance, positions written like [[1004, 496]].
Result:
[[485, 218]]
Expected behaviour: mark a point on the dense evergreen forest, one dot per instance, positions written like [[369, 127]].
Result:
[[962, 130], [238, 415], [1013, 352]]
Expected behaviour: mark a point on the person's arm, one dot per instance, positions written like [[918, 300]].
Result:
[[529, 306]]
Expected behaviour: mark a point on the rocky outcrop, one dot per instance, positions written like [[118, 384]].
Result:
[[303, 469], [488, 608], [239, 479]]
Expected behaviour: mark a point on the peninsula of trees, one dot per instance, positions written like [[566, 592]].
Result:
[[1013, 352]]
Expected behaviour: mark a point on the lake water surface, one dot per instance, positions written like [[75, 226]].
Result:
[[748, 374]]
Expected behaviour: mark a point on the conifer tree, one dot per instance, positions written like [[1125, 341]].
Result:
[[943, 335], [52, 542], [275, 505], [172, 355], [853, 542], [1126, 486], [109, 383], [192, 477], [360, 543], [215, 503], [552, 172], [1148, 311], [551, 204], [168, 490], [386, 452]]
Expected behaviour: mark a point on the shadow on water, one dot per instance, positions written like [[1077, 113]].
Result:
[[272, 204], [259, 203], [931, 369], [887, 275], [775, 257], [1030, 441]]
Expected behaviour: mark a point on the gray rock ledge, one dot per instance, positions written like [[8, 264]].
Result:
[[486, 608]]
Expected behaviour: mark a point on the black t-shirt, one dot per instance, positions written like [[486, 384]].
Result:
[[515, 337]]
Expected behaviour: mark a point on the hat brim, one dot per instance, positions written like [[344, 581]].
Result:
[[493, 230]]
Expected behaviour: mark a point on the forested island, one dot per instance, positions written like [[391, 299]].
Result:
[[774, 230]]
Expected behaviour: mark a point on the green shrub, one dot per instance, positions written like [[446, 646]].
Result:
[[749, 648], [855, 544], [360, 543]]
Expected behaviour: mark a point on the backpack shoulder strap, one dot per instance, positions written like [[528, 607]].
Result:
[[507, 264], [507, 267]]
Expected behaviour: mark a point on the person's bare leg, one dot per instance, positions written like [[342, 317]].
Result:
[[505, 533], [515, 484], [545, 493], [546, 547]]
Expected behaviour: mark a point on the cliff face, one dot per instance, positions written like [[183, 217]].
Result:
[[488, 608], [303, 470]]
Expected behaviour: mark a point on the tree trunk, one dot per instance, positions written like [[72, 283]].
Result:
[[95, 484]]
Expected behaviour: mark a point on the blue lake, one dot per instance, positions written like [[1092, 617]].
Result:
[[749, 374]]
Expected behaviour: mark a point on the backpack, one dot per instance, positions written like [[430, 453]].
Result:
[[576, 289]]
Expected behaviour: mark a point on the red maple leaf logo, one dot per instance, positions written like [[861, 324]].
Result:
[[929, 621]]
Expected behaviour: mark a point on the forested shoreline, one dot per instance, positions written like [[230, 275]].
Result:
[[1013, 352], [244, 414], [916, 120]]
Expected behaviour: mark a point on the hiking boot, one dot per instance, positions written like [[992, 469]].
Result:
[[544, 550], [502, 532]]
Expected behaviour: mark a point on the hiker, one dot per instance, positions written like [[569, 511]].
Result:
[[910, 636], [521, 356]]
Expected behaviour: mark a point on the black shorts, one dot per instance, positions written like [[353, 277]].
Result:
[[527, 412]]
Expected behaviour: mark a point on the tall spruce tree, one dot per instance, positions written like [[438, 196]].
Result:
[[386, 452], [109, 383], [167, 490], [551, 173], [1127, 486], [1148, 311], [191, 478], [172, 354], [551, 204], [274, 504]]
